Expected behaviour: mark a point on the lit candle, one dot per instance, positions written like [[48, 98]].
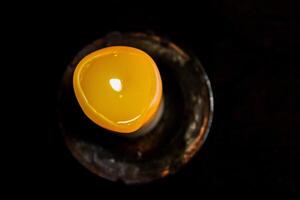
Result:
[[119, 88]]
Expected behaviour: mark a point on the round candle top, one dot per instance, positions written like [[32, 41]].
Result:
[[119, 88]]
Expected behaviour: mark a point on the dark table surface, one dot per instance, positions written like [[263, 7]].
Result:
[[250, 51]]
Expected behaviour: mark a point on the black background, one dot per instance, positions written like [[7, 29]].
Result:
[[250, 51]]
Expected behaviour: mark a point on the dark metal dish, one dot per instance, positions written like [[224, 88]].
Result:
[[181, 131]]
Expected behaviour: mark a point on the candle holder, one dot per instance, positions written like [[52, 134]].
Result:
[[177, 134]]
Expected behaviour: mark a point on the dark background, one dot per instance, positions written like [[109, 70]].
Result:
[[250, 51]]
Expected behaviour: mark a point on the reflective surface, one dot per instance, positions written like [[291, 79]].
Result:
[[119, 88], [179, 133]]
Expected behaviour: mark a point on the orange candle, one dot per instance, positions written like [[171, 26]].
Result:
[[119, 88]]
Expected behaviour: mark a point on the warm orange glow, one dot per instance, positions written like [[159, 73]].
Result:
[[119, 88]]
